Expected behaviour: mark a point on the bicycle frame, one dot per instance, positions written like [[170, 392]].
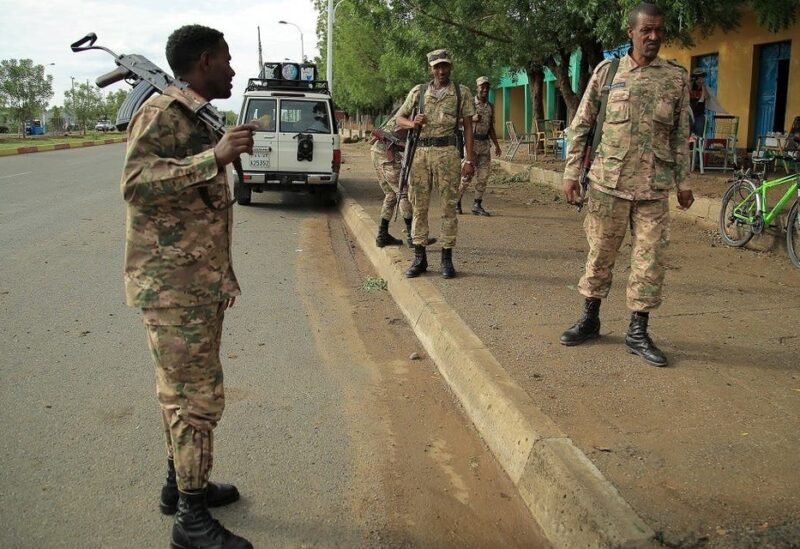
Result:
[[761, 200]]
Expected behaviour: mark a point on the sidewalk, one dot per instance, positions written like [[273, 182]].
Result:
[[706, 451]]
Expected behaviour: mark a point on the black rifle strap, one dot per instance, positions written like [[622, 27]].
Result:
[[601, 113]]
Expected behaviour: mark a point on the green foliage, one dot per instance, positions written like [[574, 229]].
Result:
[[24, 89], [112, 103], [85, 103], [379, 45], [374, 284], [230, 118]]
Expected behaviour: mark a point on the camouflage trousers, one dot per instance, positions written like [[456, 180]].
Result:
[[435, 167], [185, 345], [483, 166], [389, 180], [606, 224]]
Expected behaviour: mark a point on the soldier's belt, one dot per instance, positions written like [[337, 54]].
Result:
[[481, 137], [448, 141]]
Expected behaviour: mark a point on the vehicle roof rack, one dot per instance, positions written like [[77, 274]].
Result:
[[274, 84]]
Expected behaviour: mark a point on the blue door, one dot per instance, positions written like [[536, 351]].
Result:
[[769, 57]]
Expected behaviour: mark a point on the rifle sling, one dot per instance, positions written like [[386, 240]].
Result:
[[601, 114]]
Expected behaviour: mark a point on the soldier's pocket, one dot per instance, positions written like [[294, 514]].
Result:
[[618, 109], [181, 316], [448, 115], [663, 168]]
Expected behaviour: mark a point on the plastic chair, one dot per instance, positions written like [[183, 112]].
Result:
[[719, 141], [517, 140]]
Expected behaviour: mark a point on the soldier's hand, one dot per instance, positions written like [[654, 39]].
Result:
[[420, 120], [229, 302], [497, 151], [572, 191], [235, 142], [476, 117], [467, 170], [685, 200]]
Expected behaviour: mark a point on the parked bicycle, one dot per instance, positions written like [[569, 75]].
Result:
[[745, 211]]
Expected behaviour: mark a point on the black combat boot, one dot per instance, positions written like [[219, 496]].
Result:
[[477, 208], [639, 343], [448, 271], [195, 528], [408, 232], [384, 238], [588, 327], [458, 207], [217, 495], [420, 264]]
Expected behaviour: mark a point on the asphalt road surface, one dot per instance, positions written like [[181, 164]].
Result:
[[334, 436]]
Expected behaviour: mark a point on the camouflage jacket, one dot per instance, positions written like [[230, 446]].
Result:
[[441, 113], [644, 150], [177, 250]]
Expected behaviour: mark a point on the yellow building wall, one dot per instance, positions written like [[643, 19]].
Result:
[[737, 78], [499, 130], [516, 102]]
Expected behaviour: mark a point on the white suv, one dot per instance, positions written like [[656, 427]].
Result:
[[297, 142]]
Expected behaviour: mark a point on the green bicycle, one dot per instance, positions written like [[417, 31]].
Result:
[[745, 213]]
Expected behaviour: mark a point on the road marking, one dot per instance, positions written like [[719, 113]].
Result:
[[14, 175]]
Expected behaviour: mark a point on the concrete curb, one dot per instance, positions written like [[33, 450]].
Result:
[[60, 146], [567, 495], [704, 212]]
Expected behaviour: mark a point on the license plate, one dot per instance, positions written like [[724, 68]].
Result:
[[260, 157]]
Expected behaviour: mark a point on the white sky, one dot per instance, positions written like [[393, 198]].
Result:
[[42, 30]]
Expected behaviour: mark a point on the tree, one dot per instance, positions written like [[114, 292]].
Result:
[[24, 89], [533, 34], [56, 121], [230, 118], [85, 103], [112, 103]]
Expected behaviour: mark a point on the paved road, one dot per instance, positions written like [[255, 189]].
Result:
[[333, 435]]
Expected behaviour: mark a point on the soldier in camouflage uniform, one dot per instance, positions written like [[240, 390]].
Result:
[[483, 131], [178, 270], [386, 159], [641, 157], [437, 162]]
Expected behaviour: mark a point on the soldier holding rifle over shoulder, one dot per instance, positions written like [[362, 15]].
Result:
[[178, 270]]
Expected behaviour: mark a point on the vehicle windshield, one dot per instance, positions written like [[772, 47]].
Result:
[[304, 116], [261, 112]]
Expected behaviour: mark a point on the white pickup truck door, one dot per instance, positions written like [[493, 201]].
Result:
[[309, 117], [266, 145]]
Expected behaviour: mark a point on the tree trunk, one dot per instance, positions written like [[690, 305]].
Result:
[[536, 80], [561, 71]]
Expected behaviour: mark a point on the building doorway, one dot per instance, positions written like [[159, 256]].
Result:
[[773, 87]]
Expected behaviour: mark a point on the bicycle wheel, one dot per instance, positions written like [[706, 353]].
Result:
[[793, 234], [738, 211]]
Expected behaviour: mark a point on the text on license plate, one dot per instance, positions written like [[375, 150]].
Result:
[[260, 157]]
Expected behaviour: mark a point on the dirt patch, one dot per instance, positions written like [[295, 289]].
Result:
[[706, 451]]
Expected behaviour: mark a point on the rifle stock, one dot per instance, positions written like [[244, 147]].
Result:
[[146, 79]]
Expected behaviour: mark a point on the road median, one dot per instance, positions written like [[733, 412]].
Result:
[[27, 149], [566, 493]]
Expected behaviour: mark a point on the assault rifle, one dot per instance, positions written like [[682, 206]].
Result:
[[146, 79], [595, 134], [405, 167]]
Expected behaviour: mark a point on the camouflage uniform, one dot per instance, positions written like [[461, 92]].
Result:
[[389, 175], [482, 147], [438, 167], [178, 270], [642, 156]]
